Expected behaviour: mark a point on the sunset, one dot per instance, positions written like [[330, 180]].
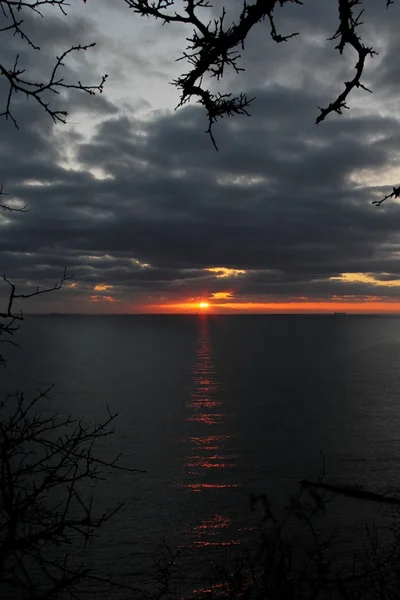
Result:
[[365, 306], [199, 299], [147, 216]]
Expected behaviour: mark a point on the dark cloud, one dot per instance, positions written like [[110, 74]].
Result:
[[146, 206]]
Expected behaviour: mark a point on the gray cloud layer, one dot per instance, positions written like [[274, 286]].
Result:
[[144, 204]]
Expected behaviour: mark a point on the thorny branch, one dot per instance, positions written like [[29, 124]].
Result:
[[215, 46], [394, 194], [12, 13], [347, 35], [212, 48]]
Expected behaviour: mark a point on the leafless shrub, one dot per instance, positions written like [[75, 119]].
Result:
[[47, 511]]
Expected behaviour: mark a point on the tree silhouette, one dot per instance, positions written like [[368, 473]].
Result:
[[46, 510], [46, 461], [18, 81]]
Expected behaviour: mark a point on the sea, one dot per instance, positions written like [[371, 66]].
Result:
[[214, 411]]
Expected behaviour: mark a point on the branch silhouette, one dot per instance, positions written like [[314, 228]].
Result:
[[46, 511], [215, 46], [17, 79], [394, 194], [9, 318]]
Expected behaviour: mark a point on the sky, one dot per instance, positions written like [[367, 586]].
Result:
[[132, 198]]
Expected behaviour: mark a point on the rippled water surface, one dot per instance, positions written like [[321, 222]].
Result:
[[216, 408]]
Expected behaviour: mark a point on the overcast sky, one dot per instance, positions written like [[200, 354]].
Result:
[[131, 196]]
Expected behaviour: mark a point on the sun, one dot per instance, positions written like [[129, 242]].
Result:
[[204, 305]]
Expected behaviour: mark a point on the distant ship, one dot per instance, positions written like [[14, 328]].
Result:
[[340, 313]]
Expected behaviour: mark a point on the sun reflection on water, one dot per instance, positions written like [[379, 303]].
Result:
[[210, 462]]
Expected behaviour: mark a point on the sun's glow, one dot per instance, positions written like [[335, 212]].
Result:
[[349, 304]]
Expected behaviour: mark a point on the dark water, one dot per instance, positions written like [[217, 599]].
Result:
[[215, 408]]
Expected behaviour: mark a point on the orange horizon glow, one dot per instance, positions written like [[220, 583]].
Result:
[[319, 307]]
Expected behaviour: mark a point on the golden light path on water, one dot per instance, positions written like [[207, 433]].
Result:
[[210, 464], [208, 451], [211, 472]]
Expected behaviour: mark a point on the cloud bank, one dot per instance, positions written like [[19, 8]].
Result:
[[134, 200]]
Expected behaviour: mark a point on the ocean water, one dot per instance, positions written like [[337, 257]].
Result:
[[214, 408]]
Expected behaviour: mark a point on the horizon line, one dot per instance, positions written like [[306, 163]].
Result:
[[214, 314]]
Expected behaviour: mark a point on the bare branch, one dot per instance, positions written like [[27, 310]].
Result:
[[346, 33], [9, 318], [7, 207], [45, 464], [394, 194], [212, 48], [36, 90], [15, 76], [13, 295]]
